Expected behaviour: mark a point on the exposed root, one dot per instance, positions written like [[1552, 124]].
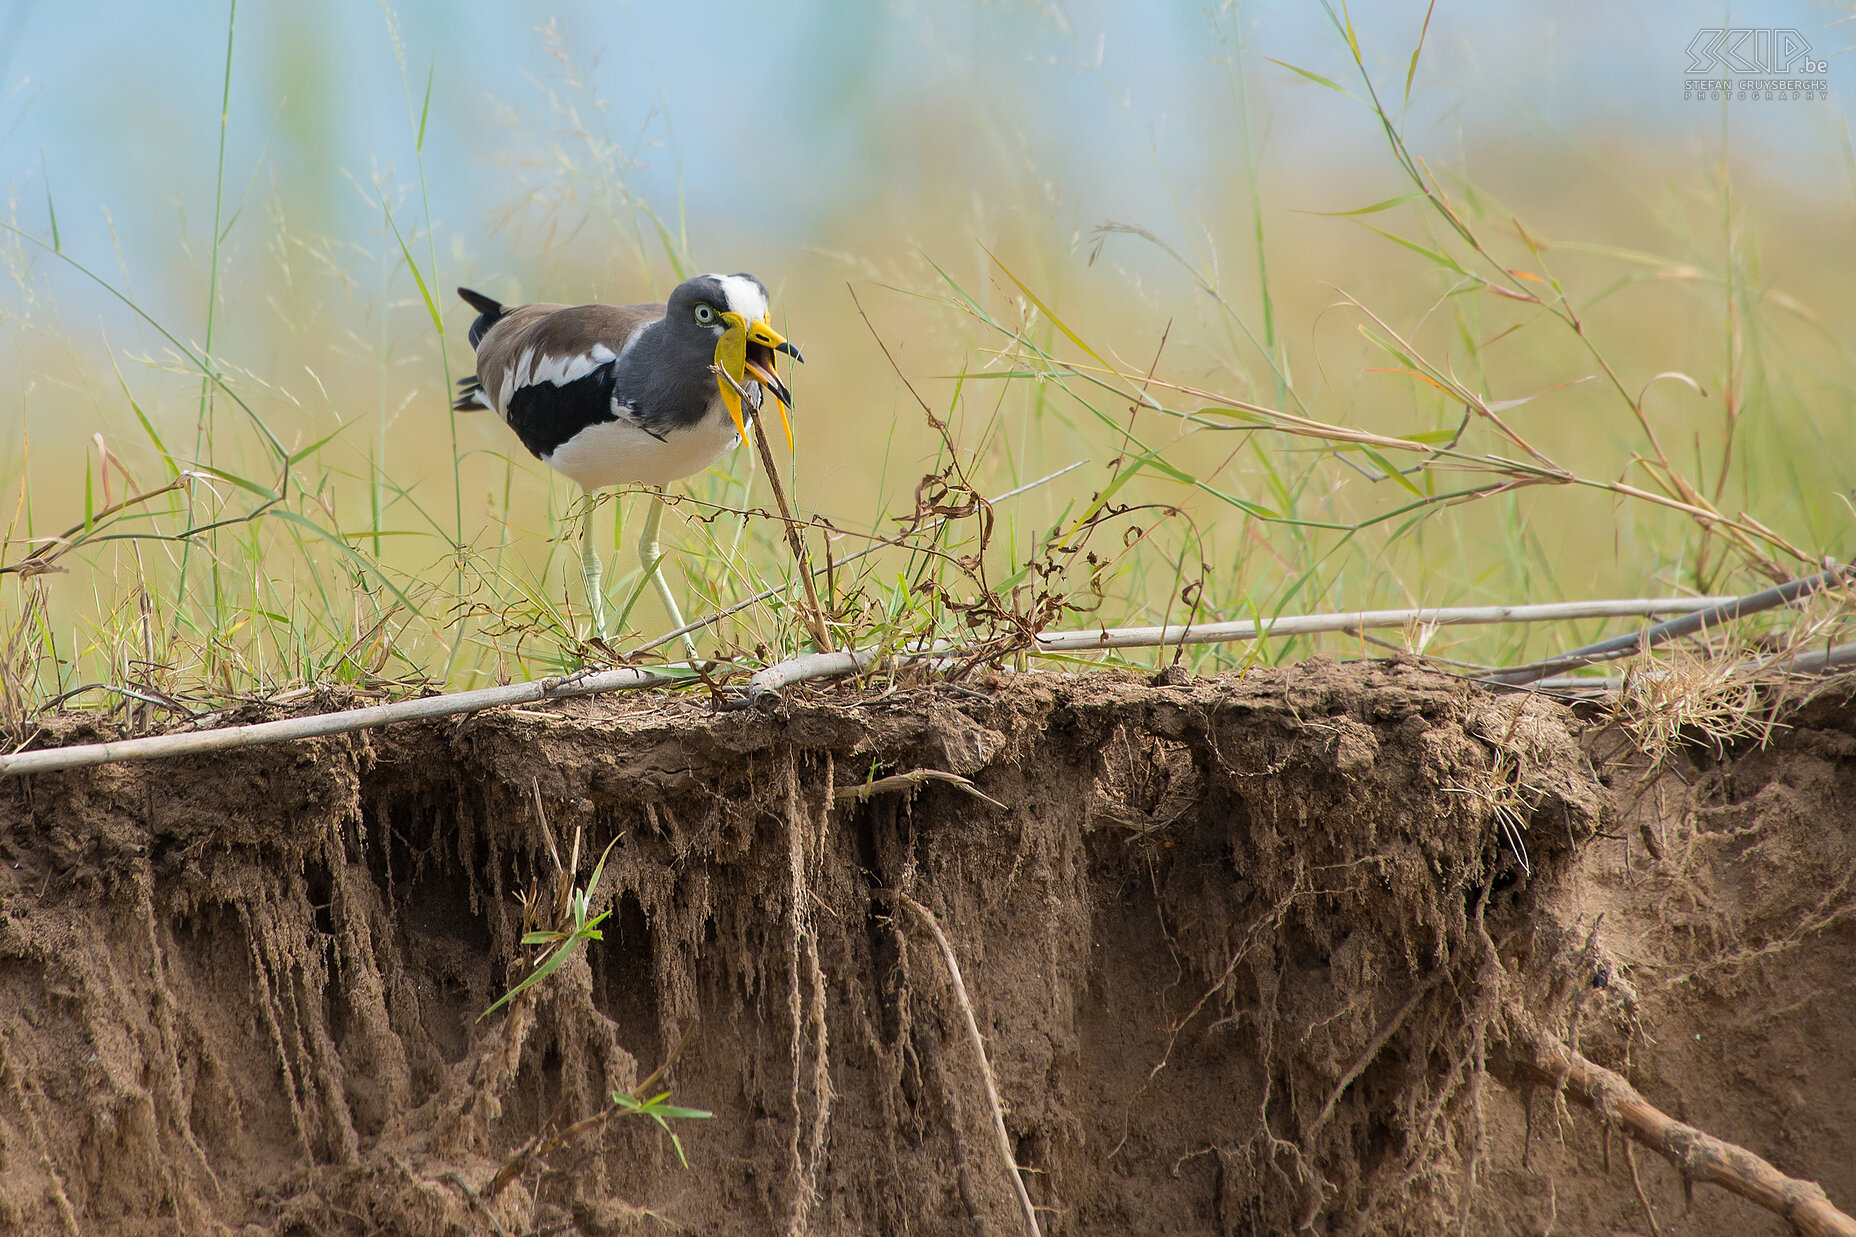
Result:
[[979, 1052], [476, 1202], [909, 781], [1827, 914], [802, 951], [490, 1073], [1372, 1050], [1256, 932], [1636, 1184], [168, 1081], [1697, 1155]]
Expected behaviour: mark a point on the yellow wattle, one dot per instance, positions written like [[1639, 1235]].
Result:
[[731, 358], [781, 405]]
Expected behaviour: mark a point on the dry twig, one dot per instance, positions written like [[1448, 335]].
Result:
[[814, 615], [804, 668], [884, 543]]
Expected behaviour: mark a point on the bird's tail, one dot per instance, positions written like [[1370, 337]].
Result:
[[488, 312], [471, 395]]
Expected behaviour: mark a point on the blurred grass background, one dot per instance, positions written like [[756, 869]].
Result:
[[949, 162]]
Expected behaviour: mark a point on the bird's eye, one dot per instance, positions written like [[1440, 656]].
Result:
[[705, 315]]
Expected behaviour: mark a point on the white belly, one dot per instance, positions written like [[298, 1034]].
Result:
[[617, 452]]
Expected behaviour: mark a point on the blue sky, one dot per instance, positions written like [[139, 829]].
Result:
[[772, 116]]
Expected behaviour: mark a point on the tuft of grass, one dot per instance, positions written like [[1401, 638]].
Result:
[[568, 912], [562, 941], [662, 1114]]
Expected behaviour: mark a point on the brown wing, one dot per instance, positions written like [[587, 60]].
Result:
[[553, 343]]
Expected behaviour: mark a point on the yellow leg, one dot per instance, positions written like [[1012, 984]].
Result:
[[651, 559], [590, 573]]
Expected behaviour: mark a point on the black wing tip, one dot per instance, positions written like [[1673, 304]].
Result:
[[470, 395], [481, 303], [489, 312]]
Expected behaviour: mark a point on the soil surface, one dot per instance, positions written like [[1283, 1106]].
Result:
[[1246, 955]]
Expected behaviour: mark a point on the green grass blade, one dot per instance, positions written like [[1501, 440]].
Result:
[[1376, 207], [431, 306], [1386, 466], [51, 210], [1412, 72], [1312, 76], [1055, 321], [425, 108], [1440, 258]]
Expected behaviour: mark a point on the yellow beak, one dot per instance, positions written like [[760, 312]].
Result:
[[731, 359]]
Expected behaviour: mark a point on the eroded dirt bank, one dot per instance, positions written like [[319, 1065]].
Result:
[[1244, 953]]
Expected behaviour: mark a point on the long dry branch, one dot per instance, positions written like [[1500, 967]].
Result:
[[806, 667], [42, 559], [1310, 624], [228, 738], [1697, 1155], [1722, 610], [1811, 661]]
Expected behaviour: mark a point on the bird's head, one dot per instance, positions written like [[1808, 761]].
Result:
[[733, 310]]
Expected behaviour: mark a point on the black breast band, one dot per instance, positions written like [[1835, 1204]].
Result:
[[544, 416]]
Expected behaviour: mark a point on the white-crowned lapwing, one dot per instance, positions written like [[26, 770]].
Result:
[[610, 394]]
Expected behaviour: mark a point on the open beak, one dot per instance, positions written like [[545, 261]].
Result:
[[745, 352], [763, 334]]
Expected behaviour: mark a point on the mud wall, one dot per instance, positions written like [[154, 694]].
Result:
[[1240, 951]]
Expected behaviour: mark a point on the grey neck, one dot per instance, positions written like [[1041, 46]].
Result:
[[664, 375]]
